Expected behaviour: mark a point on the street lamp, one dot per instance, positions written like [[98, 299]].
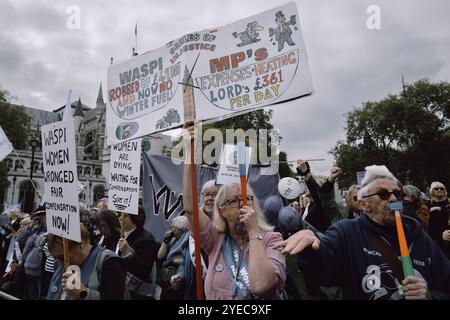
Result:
[[14, 188], [90, 193], [34, 143]]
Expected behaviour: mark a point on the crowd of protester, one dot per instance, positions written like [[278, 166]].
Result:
[[249, 250]]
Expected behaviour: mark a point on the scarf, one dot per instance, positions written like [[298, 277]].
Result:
[[237, 269]]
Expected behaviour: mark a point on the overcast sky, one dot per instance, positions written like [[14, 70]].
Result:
[[40, 58]]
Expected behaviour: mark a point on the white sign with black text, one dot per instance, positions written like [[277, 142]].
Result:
[[60, 179], [124, 174], [229, 166]]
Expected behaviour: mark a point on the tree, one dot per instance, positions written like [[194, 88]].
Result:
[[257, 120], [15, 123], [284, 168], [408, 132]]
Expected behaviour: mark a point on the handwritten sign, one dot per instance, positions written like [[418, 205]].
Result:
[[252, 63], [84, 193], [124, 175], [360, 176], [60, 179], [229, 166]]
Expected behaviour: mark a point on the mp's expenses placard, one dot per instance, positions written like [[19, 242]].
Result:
[[124, 172], [254, 62], [60, 179]]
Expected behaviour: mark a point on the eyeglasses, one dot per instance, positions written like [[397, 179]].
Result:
[[209, 194], [383, 194], [237, 203], [439, 188]]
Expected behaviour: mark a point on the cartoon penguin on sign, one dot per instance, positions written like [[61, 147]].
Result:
[[249, 35]]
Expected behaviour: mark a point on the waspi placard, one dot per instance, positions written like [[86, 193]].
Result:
[[60, 179]]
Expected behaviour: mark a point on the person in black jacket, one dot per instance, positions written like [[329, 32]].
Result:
[[361, 255], [109, 226], [323, 210], [139, 249], [439, 218]]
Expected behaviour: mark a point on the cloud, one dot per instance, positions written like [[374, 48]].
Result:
[[41, 59]]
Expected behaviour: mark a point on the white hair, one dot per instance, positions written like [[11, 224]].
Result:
[[14, 214], [374, 173], [208, 184], [181, 222], [26, 220], [437, 184]]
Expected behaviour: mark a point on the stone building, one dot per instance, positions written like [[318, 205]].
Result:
[[91, 149]]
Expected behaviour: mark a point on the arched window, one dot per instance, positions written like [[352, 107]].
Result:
[[37, 165], [9, 163], [98, 172], [99, 191], [18, 166], [26, 196], [80, 171], [87, 171]]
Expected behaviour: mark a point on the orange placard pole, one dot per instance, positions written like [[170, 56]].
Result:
[[242, 171], [198, 262]]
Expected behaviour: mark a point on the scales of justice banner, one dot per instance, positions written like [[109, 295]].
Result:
[[254, 62]]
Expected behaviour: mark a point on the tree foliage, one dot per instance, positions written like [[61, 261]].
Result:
[[15, 122], [257, 120], [408, 132]]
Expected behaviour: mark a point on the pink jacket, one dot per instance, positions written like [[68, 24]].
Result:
[[217, 282]]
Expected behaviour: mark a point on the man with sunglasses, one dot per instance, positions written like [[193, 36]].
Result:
[[361, 255]]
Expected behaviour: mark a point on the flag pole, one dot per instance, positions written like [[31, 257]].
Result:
[[135, 38]]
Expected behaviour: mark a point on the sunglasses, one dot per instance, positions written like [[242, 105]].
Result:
[[383, 194], [439, 188]]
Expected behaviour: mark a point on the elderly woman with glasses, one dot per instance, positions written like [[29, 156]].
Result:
[[361, 255], [439, 220], [243, 263]]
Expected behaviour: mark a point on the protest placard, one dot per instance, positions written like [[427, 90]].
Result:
[[229, 167], [60, 179], [124, 176], [254, 62], [360, 176]]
